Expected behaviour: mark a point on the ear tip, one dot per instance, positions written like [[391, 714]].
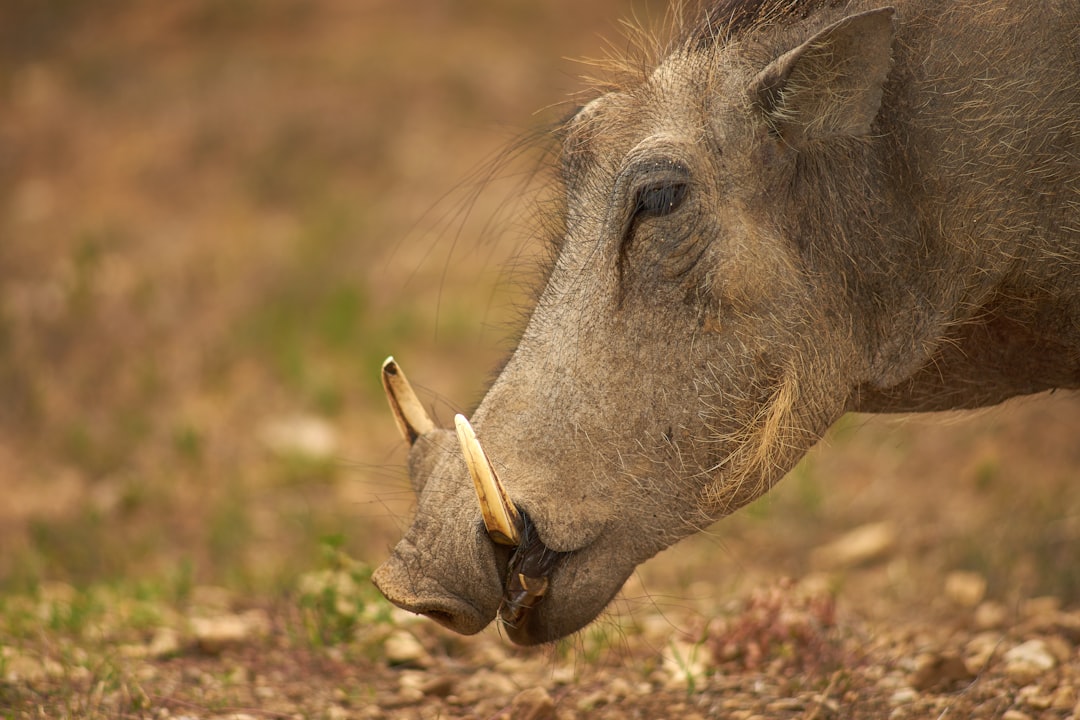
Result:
[[883, 15]]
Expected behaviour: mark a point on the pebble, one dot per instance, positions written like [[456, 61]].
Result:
[[484, 684], [400, 699], [563, 675], [402, 648], [592, 701], [904, 696], [165, 643], [684, 664], [214, 634], [1015, 715], [1060, 648], [1068, 625], [304, 436], [1064, 698], [336, 712], [981, 649], [1028, 661], [532, 704], [786, 705], [1033, 696], [939, 671], [22, 668], [965, 589], [990, 615], [1041, 607], [433, 685], [856, 547], [438, 686]]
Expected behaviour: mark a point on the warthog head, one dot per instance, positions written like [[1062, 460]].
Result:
[[689, 345]]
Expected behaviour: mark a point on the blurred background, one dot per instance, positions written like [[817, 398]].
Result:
[[217, 217]]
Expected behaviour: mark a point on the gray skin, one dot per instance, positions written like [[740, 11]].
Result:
[[797, 214]]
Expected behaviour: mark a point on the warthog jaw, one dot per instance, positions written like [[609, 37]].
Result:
[[501, 517], [409, 414]]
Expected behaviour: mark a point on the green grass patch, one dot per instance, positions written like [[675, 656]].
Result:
[[339, 599]]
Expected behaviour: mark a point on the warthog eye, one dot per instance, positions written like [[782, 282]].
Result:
[[659, 199]]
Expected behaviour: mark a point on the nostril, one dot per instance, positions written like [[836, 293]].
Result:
[[397, 581]]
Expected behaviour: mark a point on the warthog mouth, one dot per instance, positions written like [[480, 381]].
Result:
[[527, 576], [530, 564]]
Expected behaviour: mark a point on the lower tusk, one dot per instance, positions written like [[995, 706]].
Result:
[[501, 518], [409, 414]]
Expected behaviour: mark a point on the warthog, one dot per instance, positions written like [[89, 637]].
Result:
[[807, 207]]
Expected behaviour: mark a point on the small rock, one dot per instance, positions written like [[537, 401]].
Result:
[[1033, 696], [1068, 625], [400, 699], [214, 634], [402, 648], [593, 701], [786, 705], [620, 688], [304, 436], [1028, 661], [336, 712], [990, 615], [1041, 607], [1015, 715], [939, 671], [684, 664], [485, 684], [965, 589], [1060, 648], [857, 547], [1064, 698], [532, 704], [563, 675], [166, 642], [22, 669], [438, 686], [904, 696], [980, 650]]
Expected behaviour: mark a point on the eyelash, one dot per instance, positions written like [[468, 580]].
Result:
[[659, 199]]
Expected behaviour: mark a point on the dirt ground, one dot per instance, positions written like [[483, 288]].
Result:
[[218, 217]]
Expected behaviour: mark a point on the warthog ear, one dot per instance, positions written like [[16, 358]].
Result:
[[829, 86]]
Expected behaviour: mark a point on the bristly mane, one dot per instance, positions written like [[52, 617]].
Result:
[[727, 20], [691, 25]]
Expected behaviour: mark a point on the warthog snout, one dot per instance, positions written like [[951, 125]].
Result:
[[521, 562], [474, 553]]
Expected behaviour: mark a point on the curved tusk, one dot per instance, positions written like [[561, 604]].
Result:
[[409, 414], [501, 518]]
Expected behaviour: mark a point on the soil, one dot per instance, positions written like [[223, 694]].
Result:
[[217, 220]]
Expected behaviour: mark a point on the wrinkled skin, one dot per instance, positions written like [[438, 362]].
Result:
[[851, 210]]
